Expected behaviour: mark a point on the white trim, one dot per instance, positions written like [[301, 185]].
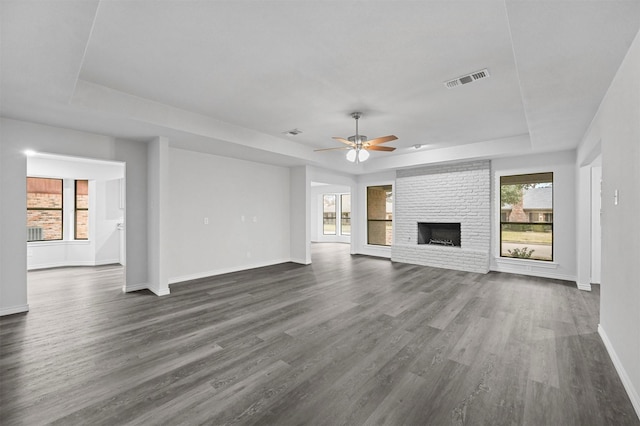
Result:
[[530, 263], [584, 287], [375, 250], [162, 292], [626, 381], [72, 263], [128, 288], [59, 243], [14, 310], [533, 269], [196, 276], [106, 262]]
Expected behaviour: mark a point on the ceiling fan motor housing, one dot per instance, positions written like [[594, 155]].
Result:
[[357, 139]]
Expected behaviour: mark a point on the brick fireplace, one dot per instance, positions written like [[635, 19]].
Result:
[[453, 202]]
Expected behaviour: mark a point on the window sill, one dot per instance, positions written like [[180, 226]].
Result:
[[58, 243], [526, 262]]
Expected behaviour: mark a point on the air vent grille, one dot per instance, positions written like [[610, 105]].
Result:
[[465, 79], [292, 132]]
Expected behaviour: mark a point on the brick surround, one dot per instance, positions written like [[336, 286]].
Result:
[[444, 193]]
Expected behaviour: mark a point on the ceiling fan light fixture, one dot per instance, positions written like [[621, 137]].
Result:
[[351, 155], [363, 154]]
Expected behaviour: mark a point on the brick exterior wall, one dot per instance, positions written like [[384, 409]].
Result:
[[444, 193], [49, 220]]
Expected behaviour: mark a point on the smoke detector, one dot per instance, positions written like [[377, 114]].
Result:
[[466, 79]]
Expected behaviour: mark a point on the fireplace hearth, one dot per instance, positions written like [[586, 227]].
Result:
[[441, 234]]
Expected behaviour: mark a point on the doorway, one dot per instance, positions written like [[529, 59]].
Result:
[[75, 215]]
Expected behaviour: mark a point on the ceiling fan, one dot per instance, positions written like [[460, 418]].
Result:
[[358, 145]]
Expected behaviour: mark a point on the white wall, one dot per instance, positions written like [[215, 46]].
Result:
[[317, 205], [562, 164], [617, 128], [157, 220], [247, 208], [299, 214], [17, 136]]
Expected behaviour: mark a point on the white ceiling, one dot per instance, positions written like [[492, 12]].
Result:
[[228, 77]]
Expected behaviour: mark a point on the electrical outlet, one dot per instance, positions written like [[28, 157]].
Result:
[[206, 220], [248, 255]]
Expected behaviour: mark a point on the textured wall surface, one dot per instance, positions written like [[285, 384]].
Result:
[[446, 193]]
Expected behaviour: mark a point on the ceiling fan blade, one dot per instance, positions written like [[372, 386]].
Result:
[[382, 139], [380, 148], [331, 149], [343, 140]]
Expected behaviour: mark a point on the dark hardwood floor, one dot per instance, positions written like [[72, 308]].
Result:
[[347, 340]]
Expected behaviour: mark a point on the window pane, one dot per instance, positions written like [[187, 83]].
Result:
[[82, 194], [526, 216], [82, 214], [345, 214], [44, 209], [329, 214], [44, 193], [44, 225], [82, 224], [380, 215], [527, 241]]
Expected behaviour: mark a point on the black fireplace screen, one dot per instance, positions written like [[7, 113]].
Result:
[[443, 234]]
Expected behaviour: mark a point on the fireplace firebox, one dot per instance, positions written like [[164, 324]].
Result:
[[442, 234]]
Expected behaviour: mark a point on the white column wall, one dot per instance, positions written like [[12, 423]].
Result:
[[616, 127], [18, 136]]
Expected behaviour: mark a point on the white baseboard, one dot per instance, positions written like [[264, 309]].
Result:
[[585, 287], [14, 310], [160, 292], [72, 263], [626, 381], [535, 271], [128, 288], [300, 261], [106, 262], [221, 271], [376, 251]]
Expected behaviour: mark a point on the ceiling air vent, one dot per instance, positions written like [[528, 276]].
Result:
[[469, 78], [292, 132]]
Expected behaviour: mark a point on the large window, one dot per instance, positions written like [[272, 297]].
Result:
[[81, 228], [329, 214], [44, 209], [345, 214], [379, 215], [526, 216]]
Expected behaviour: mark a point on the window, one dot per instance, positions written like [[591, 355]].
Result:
[[345, 214], [329, 214], [81, 217], [526, 221], [379, 215], [44, 209]]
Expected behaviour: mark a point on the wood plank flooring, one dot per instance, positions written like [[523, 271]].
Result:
[[348, 340]]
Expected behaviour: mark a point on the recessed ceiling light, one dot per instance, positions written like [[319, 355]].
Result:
[[292, 132]]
